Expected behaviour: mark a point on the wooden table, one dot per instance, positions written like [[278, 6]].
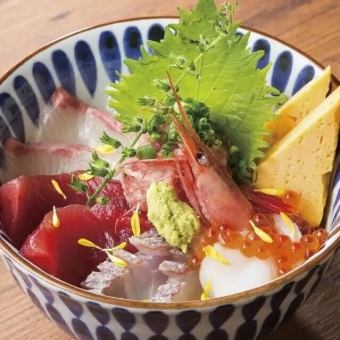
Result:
[[311, 25]]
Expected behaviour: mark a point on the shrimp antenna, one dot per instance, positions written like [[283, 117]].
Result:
[[194, 144]]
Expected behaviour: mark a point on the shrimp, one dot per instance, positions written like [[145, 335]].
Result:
[[209, 187]]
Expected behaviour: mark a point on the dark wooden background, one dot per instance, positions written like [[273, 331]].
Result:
[[311, 25]]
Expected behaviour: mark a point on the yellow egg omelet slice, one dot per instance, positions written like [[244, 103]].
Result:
[[303, 159], [299, 106]]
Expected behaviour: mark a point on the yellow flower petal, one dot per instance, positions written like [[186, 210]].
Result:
[[117, 247], [214, 254], [57, 188], [116, 260], [289, 223], [271, 192], [206, 291], [105, 149], [261, 234], [85, 176], [55, 218], [120, 246], [135, 223], [87, 243]]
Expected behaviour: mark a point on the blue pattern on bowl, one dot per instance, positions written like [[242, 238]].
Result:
[[64, 70], [86, 65], [83, 64], [110, 55], [305, 76], [132, 42], [43, 80], [156, 32], [12, 117], [28, 99], [281, 70], [248, 319], [262, 45]]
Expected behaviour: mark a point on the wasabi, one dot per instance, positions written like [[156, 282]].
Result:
[[175, 220]]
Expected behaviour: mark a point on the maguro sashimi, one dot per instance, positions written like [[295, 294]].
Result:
[[56, 250], [25, 200], [71, 121]]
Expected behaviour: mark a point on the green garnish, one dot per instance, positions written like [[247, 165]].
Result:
[[211, 65], [77, 185]]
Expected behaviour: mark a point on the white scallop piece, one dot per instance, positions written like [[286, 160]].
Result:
[[283, 228], [243, 273]]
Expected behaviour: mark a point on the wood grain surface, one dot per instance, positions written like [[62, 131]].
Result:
[[311, 25]]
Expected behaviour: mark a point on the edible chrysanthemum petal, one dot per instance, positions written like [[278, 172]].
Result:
[[214, 254], [260, 233], [57, 188]]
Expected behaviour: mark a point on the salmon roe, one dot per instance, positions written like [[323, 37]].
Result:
[[292, 199], [286, 254]]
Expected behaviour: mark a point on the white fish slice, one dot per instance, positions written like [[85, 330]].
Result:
[[70, 121], [184, 288], [139, 286], [109, 280], [151, 243], [172, 268], [42, 159]]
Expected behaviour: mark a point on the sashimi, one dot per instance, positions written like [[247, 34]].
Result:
[[123, 228], [56, 250], [42, 159], [138, 175], [117, 204], [71, 121], [25, 200]]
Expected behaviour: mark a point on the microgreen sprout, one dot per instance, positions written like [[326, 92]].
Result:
[[76, 182], [85, 176], [102, 200]]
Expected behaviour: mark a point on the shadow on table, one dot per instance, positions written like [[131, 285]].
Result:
[[292, 329]]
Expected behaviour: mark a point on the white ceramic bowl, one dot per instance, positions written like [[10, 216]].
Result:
[[84, 63]]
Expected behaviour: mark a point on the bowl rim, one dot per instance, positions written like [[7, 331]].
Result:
[[60, 285]]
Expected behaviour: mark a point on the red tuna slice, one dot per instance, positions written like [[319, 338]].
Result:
[[56, 250], [42, 159], [25, 200], [117, 205], [117, 213], [71, 121]]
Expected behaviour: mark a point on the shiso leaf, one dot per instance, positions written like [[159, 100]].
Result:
[[224, 76]]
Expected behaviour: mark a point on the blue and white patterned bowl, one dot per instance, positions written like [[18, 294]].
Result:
[[84, 63]]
